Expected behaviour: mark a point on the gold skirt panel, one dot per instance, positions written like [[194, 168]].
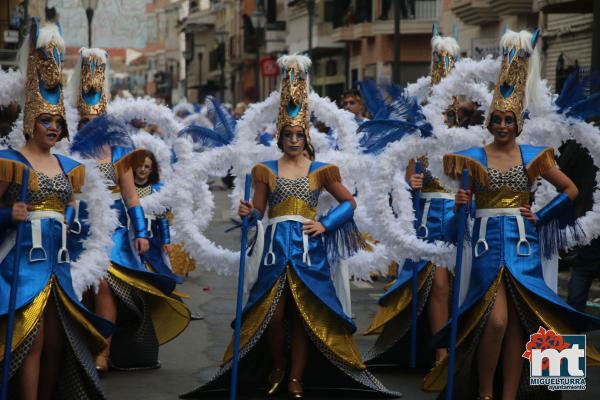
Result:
[[396, 303], [318, 318], [169, 316], [436, 380], [253, 320], [28, 317], [323, 323], [26, 320], [181, 262]]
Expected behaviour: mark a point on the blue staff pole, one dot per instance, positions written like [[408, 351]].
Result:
[[240, 297], [12, 302], [462, 216], [415, 276]]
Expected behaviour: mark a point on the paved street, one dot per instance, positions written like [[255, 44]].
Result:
[[193, 357]]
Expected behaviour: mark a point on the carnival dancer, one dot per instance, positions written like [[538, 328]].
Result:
[[137, 300], [436, 208], [294, 281], [147, 181], [54, 335], [508, 299]]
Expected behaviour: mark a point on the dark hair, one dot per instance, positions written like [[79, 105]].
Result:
[[352, 93], [154, 177], [307, 146]]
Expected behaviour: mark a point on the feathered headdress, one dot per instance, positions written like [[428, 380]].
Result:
[[444, 53], [293, 106], [42, 57], [89, 86], [519, 75]]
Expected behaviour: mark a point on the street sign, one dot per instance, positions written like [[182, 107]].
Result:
[[269, 67], [11, 36]]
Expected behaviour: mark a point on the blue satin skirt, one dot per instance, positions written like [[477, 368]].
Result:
[[39, 274], [288, 248], [156, 257]]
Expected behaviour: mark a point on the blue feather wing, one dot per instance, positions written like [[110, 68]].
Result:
[[587, 109], [577, 99], [377, 134], [203, 136], [101, 131], [223, 123], [373, 99]]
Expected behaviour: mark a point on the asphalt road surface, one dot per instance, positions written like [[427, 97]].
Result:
[[194, 356]]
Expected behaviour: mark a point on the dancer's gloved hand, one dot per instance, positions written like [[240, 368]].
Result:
[[141, 245], [416, 181], [463, 197], [19, 212]]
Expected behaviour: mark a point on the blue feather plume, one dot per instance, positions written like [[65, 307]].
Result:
[[587, 109], [373, 99], [223, 123], [377, 134], [101, 131], [576, 99], [394, 90], [203, 136]]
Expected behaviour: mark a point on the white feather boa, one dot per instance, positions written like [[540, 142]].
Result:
[[12, 87], [93, 262], [148, 109]]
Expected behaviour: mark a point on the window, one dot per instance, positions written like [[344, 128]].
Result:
[[331, 68]]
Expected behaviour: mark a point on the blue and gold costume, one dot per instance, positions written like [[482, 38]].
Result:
[[507, 248], [296, 265], [437, 223], [158, 226], [295, 261], [147, 313], [163, 316], [45, 270], [44, 264], [393, 319]]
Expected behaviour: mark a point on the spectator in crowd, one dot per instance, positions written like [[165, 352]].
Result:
[[352, 101], [240, 109]]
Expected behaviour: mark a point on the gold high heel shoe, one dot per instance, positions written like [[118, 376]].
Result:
[[275, 383], [297, 393]]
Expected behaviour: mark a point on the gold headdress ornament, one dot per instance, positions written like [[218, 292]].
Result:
[[519, 73], [44, 52], [293, 106], [88, 87], [444, 53]]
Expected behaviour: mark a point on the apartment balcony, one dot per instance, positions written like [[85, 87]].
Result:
[[512, 7], [425, 14], [475, 12], [200, 18], [343, 34], [566, 6]]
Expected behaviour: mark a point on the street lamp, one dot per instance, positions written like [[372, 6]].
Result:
[[90, 7], [257, 19], [221, 35]]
